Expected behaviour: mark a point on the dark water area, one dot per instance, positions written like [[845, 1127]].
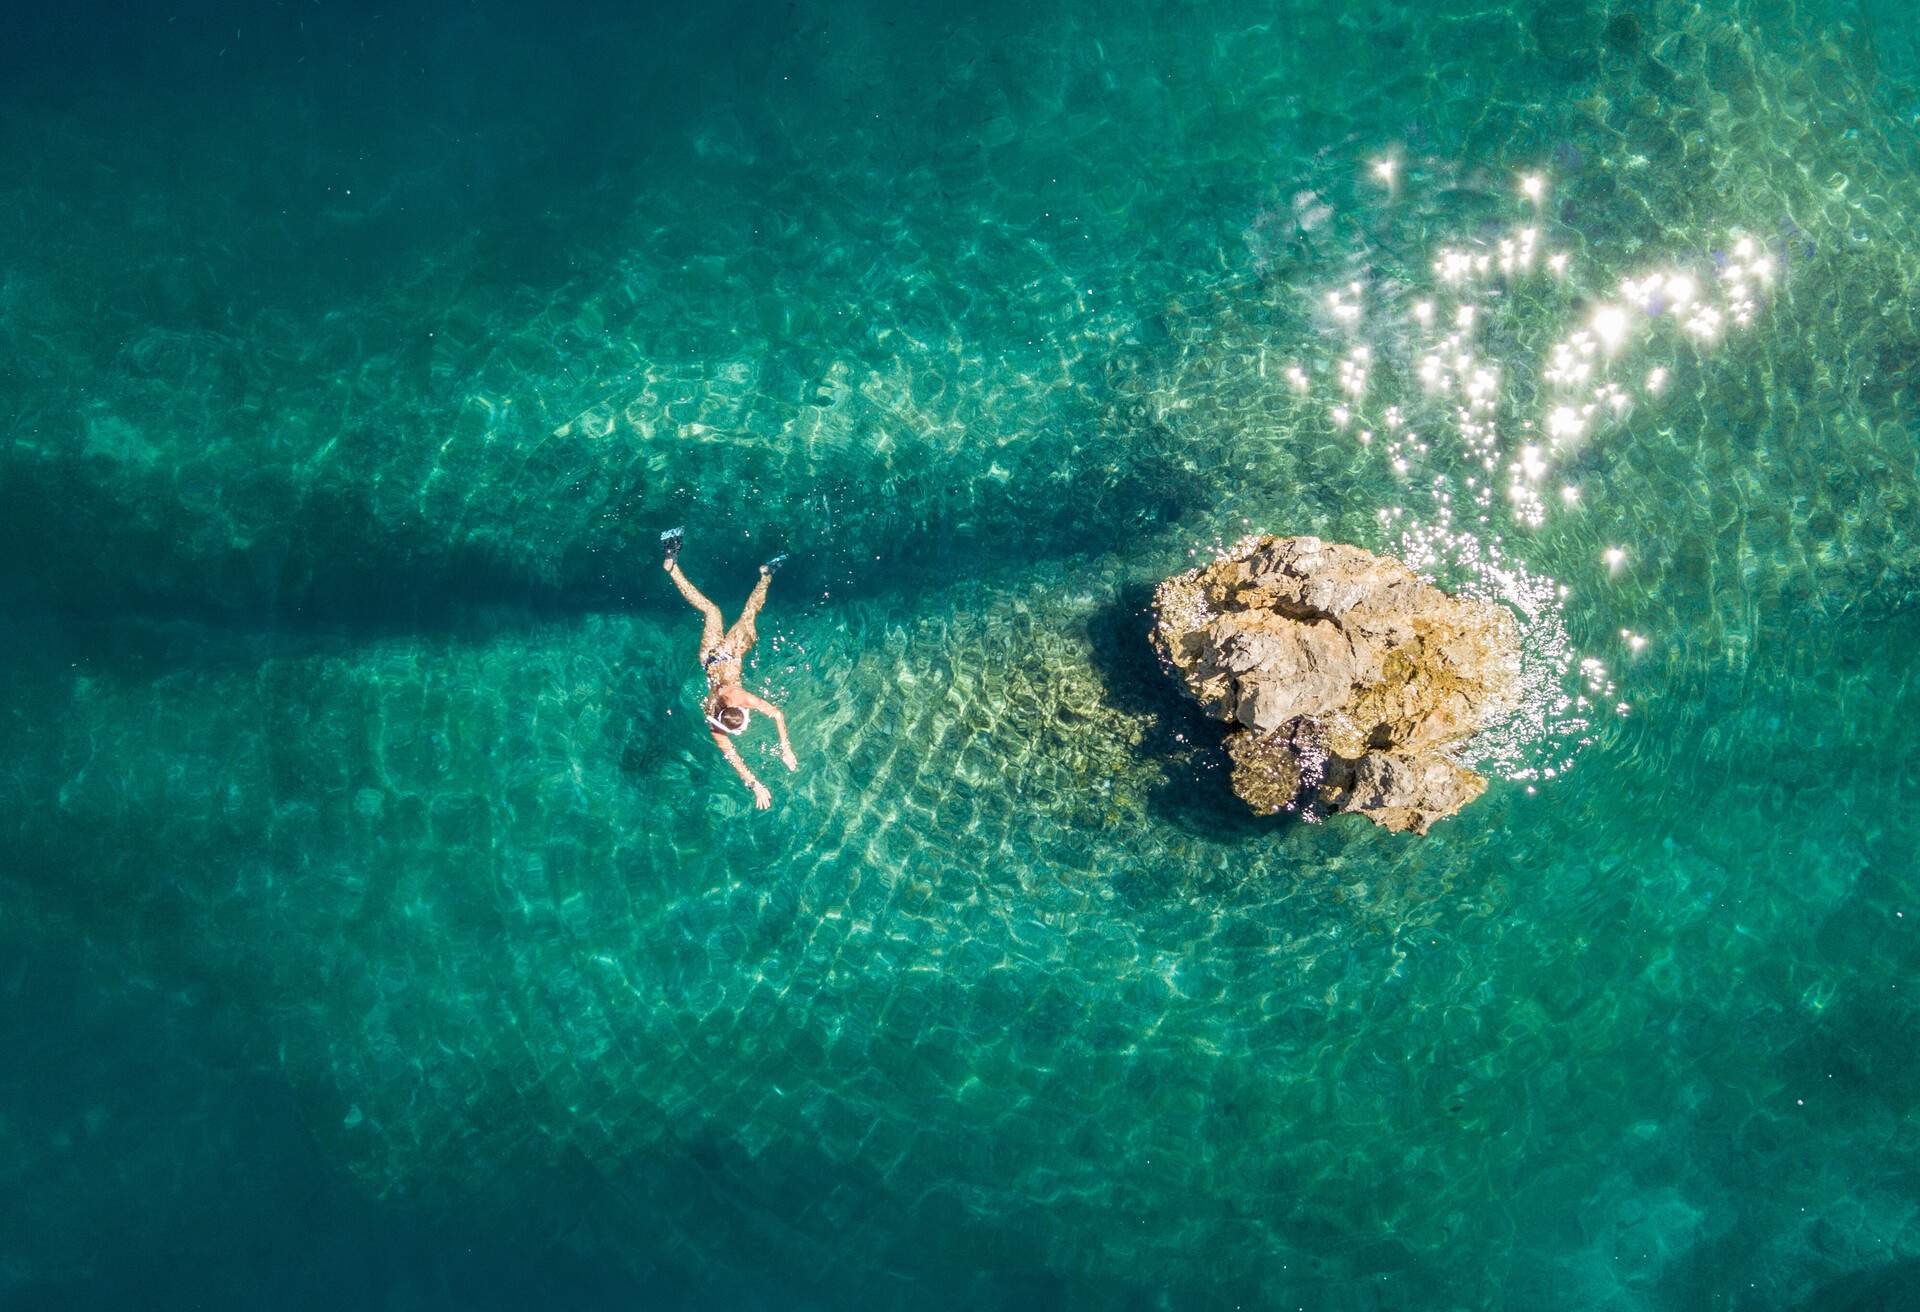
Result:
[[379, 929]]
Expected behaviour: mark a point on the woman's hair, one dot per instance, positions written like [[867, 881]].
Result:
[[729, 719]]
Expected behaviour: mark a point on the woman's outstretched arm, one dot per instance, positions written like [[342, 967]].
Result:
[[768, 709], [762, 799]]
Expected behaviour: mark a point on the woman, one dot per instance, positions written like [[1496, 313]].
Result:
[[729, 706]]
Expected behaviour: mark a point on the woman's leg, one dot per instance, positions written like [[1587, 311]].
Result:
[[743, 634], [710, 630]]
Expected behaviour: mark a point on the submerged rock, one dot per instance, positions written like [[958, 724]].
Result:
[[1351, 681]]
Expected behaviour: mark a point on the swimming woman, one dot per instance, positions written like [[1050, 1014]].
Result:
[[728, 705]]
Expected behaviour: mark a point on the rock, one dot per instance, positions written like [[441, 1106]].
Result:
[[1350, 681], [1402, 792], [1270, 770], [1266, 777]]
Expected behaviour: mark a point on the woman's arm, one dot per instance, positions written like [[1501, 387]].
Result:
[[768, 709], [762, 799]]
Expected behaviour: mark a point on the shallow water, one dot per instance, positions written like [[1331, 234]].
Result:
[[379, 929]]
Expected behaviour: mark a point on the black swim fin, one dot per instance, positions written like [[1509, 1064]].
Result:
[[670, 541], [775, 563]]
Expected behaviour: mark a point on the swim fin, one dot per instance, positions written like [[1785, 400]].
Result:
[[671, 540], [775, 563]]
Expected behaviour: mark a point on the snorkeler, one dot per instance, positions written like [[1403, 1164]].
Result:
[[728, 704]]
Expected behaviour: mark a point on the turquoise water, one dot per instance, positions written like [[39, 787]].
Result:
[[378, 929]]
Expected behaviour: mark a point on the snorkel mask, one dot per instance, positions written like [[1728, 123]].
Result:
[[729, 720]]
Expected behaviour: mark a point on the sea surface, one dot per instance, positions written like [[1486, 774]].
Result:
[[379, 929]]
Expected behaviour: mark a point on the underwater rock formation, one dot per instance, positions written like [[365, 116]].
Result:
[[1350, 681]]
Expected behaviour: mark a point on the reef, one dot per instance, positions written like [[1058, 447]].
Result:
[[1352, 684]]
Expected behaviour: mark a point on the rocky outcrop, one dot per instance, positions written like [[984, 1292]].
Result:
[[1351, 682]]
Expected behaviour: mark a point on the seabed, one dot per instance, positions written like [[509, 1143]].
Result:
[[378, 926]]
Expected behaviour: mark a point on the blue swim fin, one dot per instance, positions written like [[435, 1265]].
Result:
[[670, 541]]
